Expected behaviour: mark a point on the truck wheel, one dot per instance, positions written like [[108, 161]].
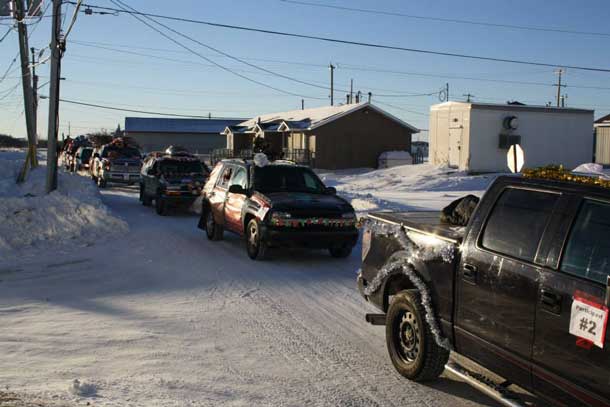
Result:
[[160, 206], [256, 247], [340, 252], [212, 229], [411, 345], [101, 182]]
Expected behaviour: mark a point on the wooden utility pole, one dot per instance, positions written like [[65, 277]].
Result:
[[26, 81], [35, 94], [332, 84], [447, 92], [468, 96], [53, 128], [559, 72], [351, 91]]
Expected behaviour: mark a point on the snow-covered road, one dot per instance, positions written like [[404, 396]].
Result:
[[164, 317]]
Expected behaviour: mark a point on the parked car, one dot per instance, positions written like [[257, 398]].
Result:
[[522, 290], [171, 179], [81, 158], [275, 205], [118, 162]]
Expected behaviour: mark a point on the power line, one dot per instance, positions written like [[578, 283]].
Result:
[[229, 55], [344, 66], [182, 61], [448, 20], [135, 15], [76, 102], [356, 43], [6, 34]]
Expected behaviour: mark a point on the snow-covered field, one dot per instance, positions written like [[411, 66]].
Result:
[[157, 315]]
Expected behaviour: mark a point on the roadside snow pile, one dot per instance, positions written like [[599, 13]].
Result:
[[30, 217], [390, 159], [592, 169], [405, 187]]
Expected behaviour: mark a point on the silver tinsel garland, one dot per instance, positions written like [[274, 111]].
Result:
[[415, 247]]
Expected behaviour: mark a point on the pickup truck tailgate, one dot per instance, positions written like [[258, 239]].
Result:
[[424, 222]]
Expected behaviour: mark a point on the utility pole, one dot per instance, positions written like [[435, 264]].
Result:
[[559, 72], [302, 104], [53, 128], [447, 91], [468, 96], [351, 91], [35, 94], [332, 84], [26, 81]]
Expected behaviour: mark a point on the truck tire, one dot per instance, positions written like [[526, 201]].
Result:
[[160, 206], [411, 345], [255, 245], [340, 252], [212, 229], [101, 182]]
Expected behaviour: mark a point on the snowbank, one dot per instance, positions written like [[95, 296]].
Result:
[[29, 217], [406, 187], [390, 159]]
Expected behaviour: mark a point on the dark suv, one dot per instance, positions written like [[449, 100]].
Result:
[[278, 204], [171, 179]]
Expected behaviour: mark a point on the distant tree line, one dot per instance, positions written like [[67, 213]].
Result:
[[14, 142]]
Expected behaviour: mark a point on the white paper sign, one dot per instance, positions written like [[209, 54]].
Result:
[[588, 321]]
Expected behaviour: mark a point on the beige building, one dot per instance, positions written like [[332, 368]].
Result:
[[475, 137], [329, 137], [602, 140]]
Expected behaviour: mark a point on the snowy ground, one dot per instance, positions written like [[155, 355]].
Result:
[[409, 187], [160, 316], [29, 218]]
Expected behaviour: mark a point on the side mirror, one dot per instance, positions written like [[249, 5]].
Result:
[[330, 191], [237, 189]]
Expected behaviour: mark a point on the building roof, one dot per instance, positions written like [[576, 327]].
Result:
[[173, 125], [603, 120], [309, 119], [501, 106]]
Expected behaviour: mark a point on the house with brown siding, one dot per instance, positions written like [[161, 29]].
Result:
[[329, 137]]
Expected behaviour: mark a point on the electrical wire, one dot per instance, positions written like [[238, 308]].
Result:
[[356, 43], [6, 34], [448, 20], [74, 15], [76, 102], [224, 68]]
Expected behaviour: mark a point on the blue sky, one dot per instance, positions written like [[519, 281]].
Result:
[[191, 85]]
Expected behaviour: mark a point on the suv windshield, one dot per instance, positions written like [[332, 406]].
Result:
[[279, 178], [85, 154], [115, 152], [172, 168]]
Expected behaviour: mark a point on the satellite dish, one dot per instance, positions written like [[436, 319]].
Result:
[[515, 158]]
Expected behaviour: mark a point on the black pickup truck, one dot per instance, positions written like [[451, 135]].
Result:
[[522, 290]]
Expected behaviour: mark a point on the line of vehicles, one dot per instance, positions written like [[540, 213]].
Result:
[[521, 287], [269, 204]]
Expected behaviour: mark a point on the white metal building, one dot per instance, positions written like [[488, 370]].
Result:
[[602, 140], [475, 137]]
